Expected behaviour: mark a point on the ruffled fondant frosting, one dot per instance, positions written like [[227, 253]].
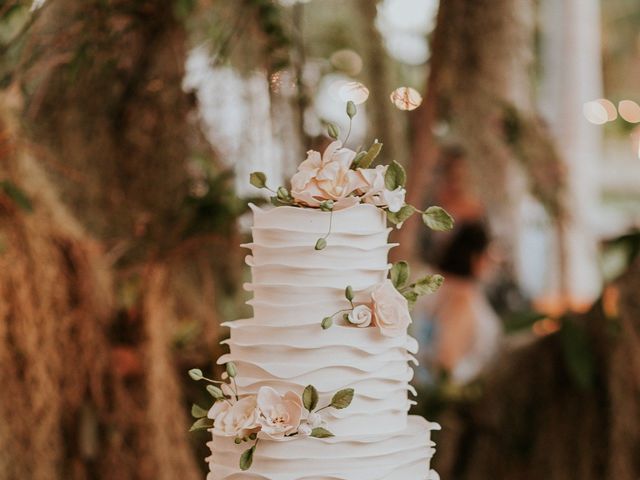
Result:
[[403, 455], [283, 346]]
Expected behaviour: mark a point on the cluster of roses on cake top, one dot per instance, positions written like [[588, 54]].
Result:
[[339, 178]]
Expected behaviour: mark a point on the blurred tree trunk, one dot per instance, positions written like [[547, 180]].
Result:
[[55, 307], [386, 121], [424, 146], [91, 363], [479, 83], [567, 406]]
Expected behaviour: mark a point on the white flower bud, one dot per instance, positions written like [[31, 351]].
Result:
[[304, 430], [314, 419], [394, 199]]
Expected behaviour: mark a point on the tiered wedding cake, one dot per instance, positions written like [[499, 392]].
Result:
[[317, 381]]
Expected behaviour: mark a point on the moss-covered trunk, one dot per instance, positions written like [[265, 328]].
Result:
[[108, 275], [566, 406]]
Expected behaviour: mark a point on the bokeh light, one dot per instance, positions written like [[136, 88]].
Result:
[[405, 24], [347, 61], [595, 112], [629, 110], [608, 105], [406, 98], [354, 91]]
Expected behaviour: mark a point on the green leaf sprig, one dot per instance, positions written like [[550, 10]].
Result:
[[399, 276], [281, 195], [341, 399], [310, 397], [436, 218], [199, 413]]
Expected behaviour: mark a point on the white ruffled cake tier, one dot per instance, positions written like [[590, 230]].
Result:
[[284, 347], [404, 455]]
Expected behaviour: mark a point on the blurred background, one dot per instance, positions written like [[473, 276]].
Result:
[[128, 129]]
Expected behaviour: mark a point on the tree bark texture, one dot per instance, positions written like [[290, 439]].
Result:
[[108, 287], [567, 406], [479, 85]]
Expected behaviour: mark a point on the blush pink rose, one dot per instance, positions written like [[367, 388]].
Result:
[[327, 177], [391, 310], [278, 415], [237, 419]]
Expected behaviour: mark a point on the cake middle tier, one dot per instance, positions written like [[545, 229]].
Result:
[[291, 357]]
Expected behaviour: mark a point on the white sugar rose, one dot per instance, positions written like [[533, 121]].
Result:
[[218, 410], [394, 199], [373, 187], [375, 192], [360, 316], [314, 419], [391, 310], [235, 420], [279, 415], [327, 177], [304, 430]]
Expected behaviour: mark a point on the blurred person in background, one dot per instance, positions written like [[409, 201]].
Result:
[[458, 329]]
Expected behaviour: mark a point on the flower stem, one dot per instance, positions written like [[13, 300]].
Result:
[[348, 132], [330, 224], [212, 381]]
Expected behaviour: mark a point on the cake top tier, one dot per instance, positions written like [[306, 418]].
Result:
[[359, 219]]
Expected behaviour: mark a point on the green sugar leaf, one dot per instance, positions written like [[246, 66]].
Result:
[[395, 176], [197, 411], [310, 397], [399, 274], [201, 424], [258, 179], [246, 459], [411, 297], [428, 284], [437, 218], [401, 215], [369, 157], [342, 399], [320, 432]]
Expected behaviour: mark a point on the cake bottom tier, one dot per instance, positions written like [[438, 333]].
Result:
[[403, 455]]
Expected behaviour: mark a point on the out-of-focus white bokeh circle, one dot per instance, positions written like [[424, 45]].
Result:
[[354, 91], [595, 112]]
